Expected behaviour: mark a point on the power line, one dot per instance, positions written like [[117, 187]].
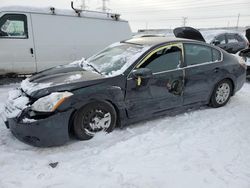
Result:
[[143, 11], [171, 4], [197, 18]]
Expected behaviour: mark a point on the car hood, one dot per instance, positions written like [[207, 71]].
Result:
[[188, 33], [61, 78]]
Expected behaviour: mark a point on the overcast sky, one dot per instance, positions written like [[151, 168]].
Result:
[[154, 14]]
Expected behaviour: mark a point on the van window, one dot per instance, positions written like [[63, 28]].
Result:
[[13, 26], [197, 54]]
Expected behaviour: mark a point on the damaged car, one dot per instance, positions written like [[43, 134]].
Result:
[[127, 82]]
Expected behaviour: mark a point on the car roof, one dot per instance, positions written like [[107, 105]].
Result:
[[152, 41]]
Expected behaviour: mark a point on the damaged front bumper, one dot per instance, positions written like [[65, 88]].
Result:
[[51, 131], [41, 130]]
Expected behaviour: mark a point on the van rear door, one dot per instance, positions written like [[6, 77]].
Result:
[[17, 53]]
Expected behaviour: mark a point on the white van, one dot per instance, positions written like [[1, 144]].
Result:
[[32, 40]]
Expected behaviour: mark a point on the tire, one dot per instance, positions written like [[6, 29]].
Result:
[[94, 117], [221, 94]]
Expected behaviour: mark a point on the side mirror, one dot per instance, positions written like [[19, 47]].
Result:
[[216, 42], [141, 73], [245, 53]]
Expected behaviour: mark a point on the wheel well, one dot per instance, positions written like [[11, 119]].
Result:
[[71, 119], [229, 79]]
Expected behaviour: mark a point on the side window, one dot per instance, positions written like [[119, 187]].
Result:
[[221, 39], [197, 54], [166, 59], [216, 55], [231, 38], [13, 26]]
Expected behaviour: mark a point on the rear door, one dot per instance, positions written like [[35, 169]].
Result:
[[201, 72], [164, 90], [16, 44]]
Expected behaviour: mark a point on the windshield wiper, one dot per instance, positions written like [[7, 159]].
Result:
[[95, 69]]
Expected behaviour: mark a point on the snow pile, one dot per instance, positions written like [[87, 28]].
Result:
[[15, 106], [29, 87], [206, 148]]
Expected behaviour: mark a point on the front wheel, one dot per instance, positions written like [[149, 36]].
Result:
[[221, 94], [94, 117]]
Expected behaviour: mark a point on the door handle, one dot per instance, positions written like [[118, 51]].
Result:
[[32, 51], [216, 70]]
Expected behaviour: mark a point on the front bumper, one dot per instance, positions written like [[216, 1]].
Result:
[[51, 131]]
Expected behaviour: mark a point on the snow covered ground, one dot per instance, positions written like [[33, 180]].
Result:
[[206, 148]]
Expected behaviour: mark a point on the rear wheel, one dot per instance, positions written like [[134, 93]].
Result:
[[222, 93], [94, 117]]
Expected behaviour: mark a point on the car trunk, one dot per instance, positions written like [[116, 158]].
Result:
[[188, 33]]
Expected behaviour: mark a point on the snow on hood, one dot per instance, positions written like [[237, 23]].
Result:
[[29, 87]]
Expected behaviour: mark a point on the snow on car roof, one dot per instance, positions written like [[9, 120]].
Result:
[[151, 41], [64, 12]]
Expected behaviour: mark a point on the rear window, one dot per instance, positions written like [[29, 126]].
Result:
[[216, 55], [197, 54], [231, 38]]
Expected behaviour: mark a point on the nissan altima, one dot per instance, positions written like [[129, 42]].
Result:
[[128, 81]]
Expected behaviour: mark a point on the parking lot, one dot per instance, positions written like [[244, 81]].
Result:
[[202, 148]]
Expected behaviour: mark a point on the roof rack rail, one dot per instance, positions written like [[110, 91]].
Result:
[[109, 15]]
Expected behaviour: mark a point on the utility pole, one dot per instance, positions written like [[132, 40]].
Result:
[[238, 20], [83, 5], [104, 5], [184, 21]]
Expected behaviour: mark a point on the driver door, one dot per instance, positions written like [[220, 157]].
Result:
[[164, 89]]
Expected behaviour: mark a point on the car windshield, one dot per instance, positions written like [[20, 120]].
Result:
[[115, 59]]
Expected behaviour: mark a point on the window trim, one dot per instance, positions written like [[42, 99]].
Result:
[[159, 48], [206, 63], [26, 30]]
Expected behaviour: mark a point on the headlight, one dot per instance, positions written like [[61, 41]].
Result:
[[51, 102]]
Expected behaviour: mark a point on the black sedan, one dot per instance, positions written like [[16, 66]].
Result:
[[230, 41], [129, 81]]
